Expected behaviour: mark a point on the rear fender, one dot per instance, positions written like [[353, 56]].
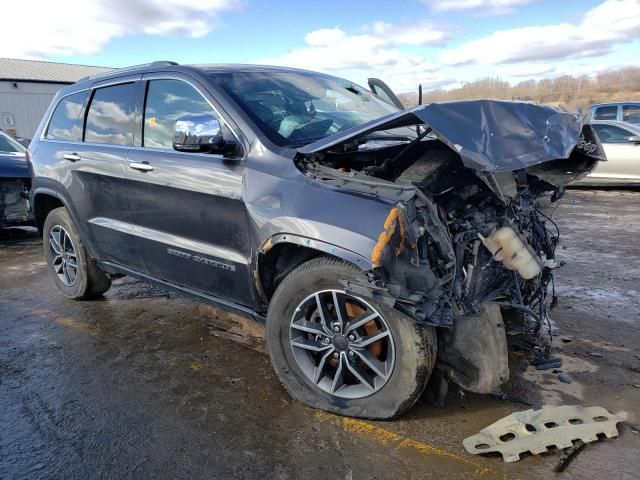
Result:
[[52, 188]]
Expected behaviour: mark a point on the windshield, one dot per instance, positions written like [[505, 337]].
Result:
[[8, 144], [296, 108]]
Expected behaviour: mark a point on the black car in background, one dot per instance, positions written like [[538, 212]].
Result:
[[15, 180], [376, 243]]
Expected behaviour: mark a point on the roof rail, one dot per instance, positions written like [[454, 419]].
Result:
[[159, 63], [163, 63]]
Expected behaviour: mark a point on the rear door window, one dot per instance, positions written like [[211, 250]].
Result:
[[110, 115], [167, 100], [606, 113], [66, 121], [631, 113]]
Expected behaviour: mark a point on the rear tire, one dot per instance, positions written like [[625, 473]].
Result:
[[401, 381], [75, 274]]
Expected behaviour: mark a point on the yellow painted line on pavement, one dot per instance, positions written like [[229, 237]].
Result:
[[399, 442]]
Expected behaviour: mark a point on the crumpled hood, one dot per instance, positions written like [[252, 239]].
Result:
[[13, 165], [489, 135]]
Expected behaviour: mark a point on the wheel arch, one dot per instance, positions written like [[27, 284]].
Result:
[[282, 253], [45, 200], [48, 195]]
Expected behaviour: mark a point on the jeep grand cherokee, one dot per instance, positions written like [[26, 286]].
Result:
[[376, 243]]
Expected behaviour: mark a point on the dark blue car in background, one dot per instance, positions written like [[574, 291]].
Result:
[[15, 181]]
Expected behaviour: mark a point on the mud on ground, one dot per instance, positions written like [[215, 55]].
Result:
[[135, 386]]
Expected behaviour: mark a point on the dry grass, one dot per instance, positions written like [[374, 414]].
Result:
[[567, 91]]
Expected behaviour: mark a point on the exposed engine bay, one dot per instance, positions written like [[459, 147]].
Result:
[[467, 238]]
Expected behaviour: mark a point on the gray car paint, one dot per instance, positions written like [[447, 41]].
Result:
[[231, 206]]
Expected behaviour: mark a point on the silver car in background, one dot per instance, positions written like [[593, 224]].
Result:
[[628, 112], [621, 143]]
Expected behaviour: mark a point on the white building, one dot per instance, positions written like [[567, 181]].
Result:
[[27, 88]]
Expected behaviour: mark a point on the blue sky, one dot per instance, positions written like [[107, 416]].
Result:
[[438, 43]]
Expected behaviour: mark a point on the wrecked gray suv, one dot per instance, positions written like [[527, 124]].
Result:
[[376, 243]]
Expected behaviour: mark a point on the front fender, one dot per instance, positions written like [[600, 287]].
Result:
[[321, 246]]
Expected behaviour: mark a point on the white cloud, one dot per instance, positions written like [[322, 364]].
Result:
[[612, 22], [105, 115], [391, 52], [73, 110], [528, 70], [415, 34], [324, 36], [375, 49], [495, 7], [42, 28]]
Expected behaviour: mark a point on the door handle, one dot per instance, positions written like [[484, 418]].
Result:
[[72, 157], [143, 167]]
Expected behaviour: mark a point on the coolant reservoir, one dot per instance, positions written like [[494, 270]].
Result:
[[505, 246]]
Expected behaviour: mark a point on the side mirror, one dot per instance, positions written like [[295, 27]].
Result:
[[634, 139], [198, 133]]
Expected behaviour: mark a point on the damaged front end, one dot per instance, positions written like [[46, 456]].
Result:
[[466, 242], [15, 182], [14, 202]]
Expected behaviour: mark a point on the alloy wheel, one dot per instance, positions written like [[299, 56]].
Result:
[[342, 344], [63, 256]]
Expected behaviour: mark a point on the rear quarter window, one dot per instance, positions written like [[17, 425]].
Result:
[[66, 120], [110, 115]]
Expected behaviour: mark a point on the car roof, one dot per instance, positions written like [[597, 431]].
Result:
[[168, 66]]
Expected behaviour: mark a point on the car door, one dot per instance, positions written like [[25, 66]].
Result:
[[623, 154], [93, 170], [188, 214]]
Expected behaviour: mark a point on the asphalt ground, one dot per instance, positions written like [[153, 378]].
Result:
[[135, 385]]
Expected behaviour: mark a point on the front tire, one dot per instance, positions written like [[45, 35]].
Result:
[[75, 273], [341, 353]]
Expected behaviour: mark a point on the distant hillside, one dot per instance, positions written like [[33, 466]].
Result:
[[567, 91]]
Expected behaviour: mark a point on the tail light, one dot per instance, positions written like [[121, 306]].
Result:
[[27, 157]]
